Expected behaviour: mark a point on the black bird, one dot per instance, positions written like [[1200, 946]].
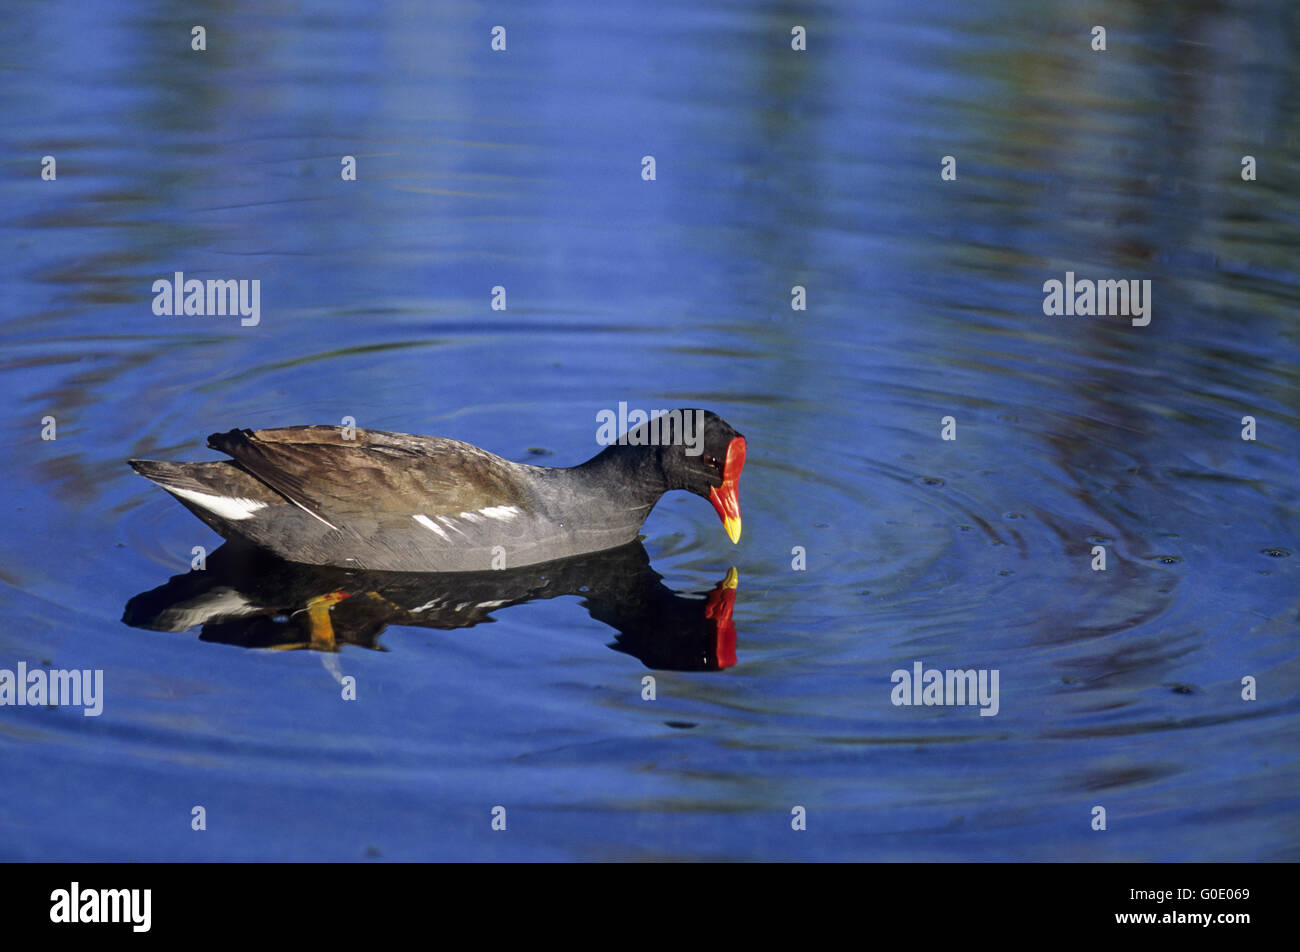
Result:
[[248, 597], [366, 499]]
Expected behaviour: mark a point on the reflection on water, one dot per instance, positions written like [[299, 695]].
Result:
[[247, 597], [871, 543]]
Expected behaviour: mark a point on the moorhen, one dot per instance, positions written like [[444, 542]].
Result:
[[366, 499], [249, 597]]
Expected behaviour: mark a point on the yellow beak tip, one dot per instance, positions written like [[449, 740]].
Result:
[[733, 578], [733, 529]]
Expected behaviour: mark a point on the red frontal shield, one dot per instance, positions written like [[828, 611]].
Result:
[[726, 498]]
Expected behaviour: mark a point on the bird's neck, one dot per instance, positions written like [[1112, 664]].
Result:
[[633, 472]]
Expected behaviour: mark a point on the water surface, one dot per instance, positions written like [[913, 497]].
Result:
[[1120, 688]]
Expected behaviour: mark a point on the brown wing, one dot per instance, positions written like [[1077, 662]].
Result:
[[376, 477]]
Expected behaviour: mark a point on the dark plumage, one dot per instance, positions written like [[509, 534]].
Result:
[[246, 596], [396, 502]]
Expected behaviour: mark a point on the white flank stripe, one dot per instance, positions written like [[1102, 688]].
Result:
[[312, 514], [500, 512], [227, 507], [446, 520], [428, 523]]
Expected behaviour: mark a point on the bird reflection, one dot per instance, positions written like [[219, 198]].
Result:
[[248, 597]]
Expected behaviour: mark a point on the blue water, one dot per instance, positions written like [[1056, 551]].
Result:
[[522, 169]]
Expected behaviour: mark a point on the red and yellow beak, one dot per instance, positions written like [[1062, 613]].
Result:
[[726, 498], [719, 606]]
